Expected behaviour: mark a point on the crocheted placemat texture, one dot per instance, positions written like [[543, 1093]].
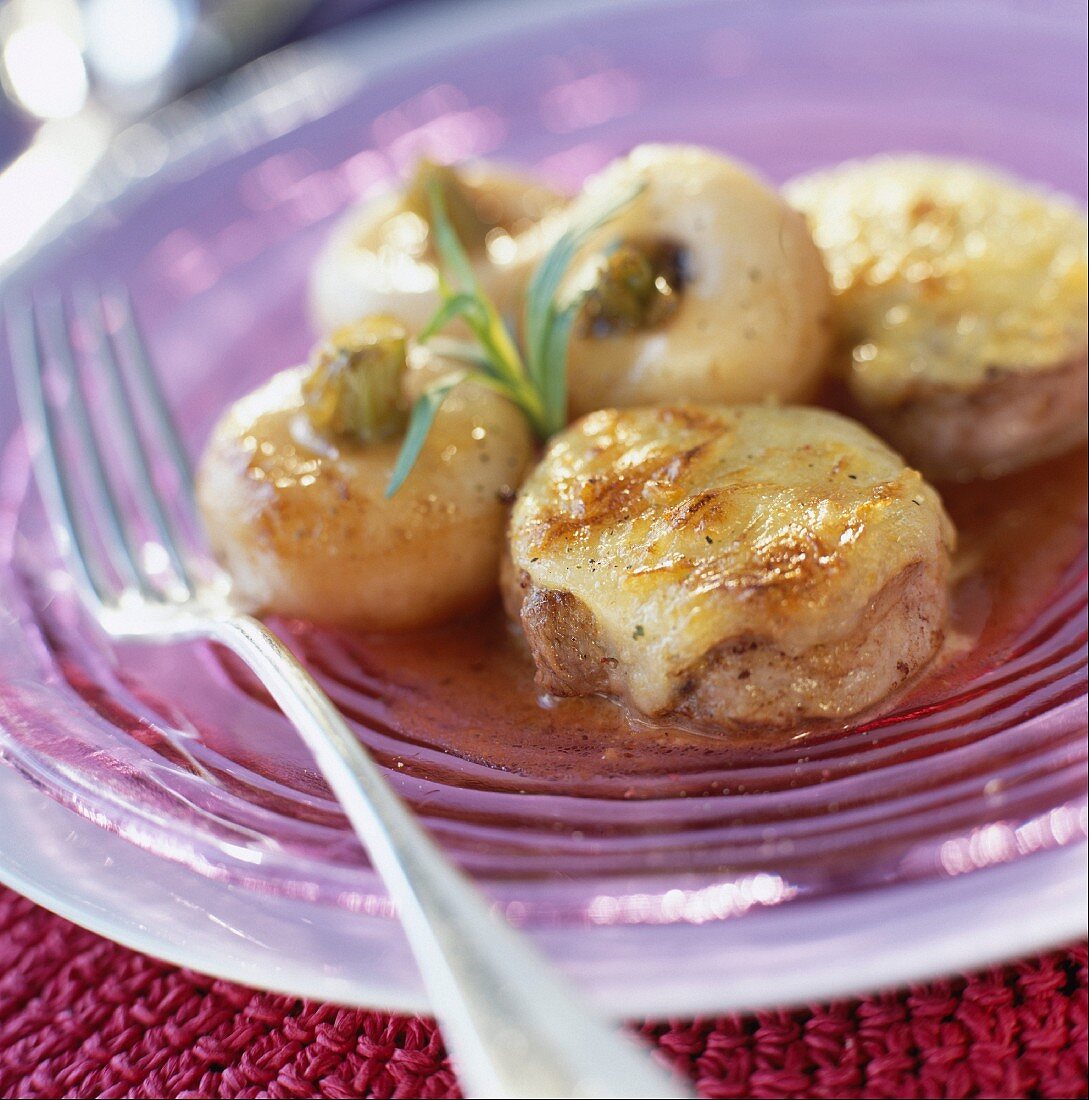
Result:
[[83, 1017]]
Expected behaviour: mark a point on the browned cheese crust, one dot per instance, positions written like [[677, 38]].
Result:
[[960, 299], [736, 567]]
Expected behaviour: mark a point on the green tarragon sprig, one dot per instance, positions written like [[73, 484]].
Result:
[[534, 377]]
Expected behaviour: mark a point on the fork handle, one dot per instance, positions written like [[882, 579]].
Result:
[[514, 1027]]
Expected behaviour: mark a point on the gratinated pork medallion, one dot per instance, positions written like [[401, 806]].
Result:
[[730, 566], [960, 298]]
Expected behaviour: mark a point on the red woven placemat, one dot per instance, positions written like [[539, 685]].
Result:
[[83, 1017]]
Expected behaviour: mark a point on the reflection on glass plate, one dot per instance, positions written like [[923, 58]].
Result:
[[682, 848]]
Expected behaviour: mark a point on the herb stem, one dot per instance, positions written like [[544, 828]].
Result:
[[535, 378]]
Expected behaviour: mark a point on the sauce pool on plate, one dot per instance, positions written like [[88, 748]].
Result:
[[468, 688]]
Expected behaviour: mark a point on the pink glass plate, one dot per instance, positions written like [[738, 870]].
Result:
[[177, 751]]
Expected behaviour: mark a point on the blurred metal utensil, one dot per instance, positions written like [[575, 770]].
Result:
[[87, 70]]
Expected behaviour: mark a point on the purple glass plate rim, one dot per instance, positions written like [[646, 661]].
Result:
[[548, 903], [1079, 701], [774, 959]]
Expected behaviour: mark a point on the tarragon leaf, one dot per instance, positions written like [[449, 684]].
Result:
[[456, 305], [419, 424], [541, 306], [535, 381], [473, 304], [553, 376], [447, 244], [464, 351]]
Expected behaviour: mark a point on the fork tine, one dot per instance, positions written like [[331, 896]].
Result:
[[128, 434], [53, 324], [50, 469], [136, 347]]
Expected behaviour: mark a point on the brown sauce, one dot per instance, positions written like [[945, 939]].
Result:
[[468, 688]]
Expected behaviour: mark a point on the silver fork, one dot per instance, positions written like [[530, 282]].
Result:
[[515, 1028]]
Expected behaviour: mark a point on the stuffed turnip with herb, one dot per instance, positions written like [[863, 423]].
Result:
[[706, 286], [294, 485], [381, 257]]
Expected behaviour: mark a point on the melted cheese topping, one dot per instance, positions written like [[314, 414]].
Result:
[[944, 273], [681, 528]]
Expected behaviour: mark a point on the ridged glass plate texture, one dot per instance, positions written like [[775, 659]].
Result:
[[180, 752]]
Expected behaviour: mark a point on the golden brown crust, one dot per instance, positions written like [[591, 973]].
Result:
[[650, 543], [960, 301]]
